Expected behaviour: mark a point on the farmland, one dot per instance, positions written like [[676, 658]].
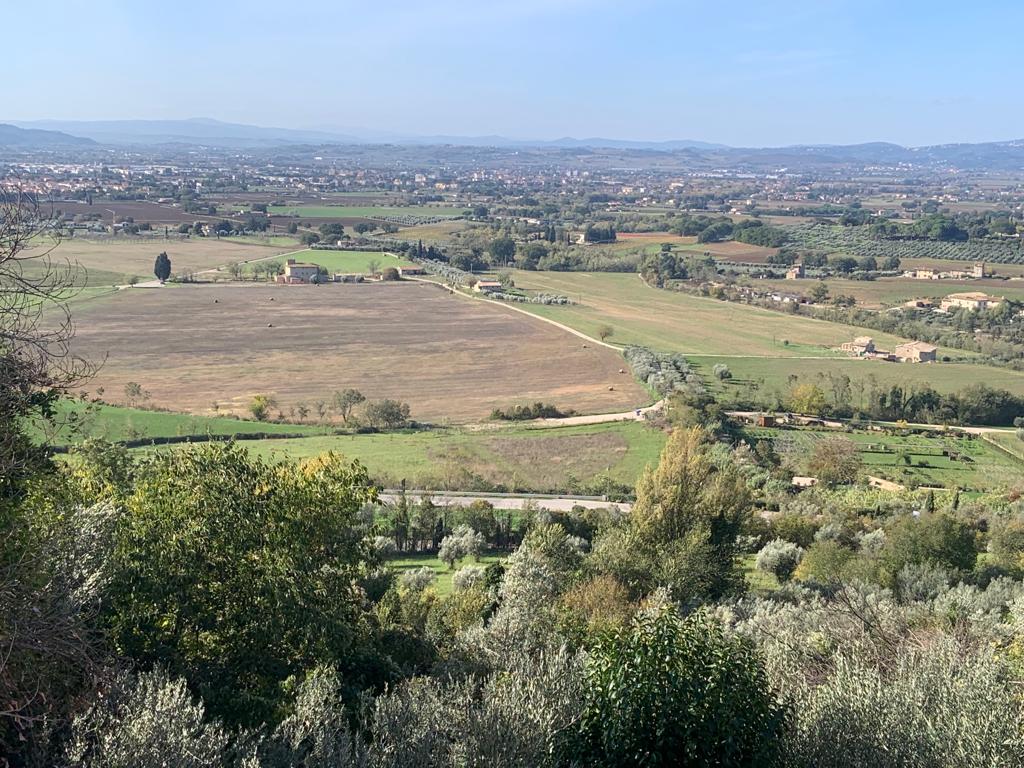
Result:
[[195, 345], [760, 346], [349, 261], [78, 420], [651, 242], [771, 374], [364, 212], [890, 291], [837, 239], [948, 461], [110, 261], [436, 232], [138, 210], [524, 458], [677, 322]]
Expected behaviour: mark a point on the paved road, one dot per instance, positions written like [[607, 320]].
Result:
[[555, 504]]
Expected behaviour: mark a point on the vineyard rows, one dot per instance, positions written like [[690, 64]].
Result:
[[848, 240]]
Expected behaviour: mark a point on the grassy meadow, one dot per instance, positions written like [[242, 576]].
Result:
[[114, 261], [515, 457], [78, 420], [677, 322], [762, 347], [772, 374]]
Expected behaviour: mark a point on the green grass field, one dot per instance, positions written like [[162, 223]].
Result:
[[356, 262], [518, 457], [767, 375], [527, 458], [362, 212], [115, 423], [1007, 442], [443, 585], [761, 347], [913, 459], [677, 322]]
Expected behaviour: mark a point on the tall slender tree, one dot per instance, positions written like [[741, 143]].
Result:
[[162, 267]]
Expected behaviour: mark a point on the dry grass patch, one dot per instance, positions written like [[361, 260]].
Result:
[[122, 257], [448, 357]]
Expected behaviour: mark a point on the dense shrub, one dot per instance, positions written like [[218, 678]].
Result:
[[667, 691], [528, 412], [938, 706], [779, 558], [664, 373]]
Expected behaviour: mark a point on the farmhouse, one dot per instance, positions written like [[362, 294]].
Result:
[[916, 352], [861, 346], [977, 272], [785, 297], [411, 269], [973, 301], [487, 286], [796, 272], [298, 272]]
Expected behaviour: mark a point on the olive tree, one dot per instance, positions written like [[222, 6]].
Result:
[[236, 574]]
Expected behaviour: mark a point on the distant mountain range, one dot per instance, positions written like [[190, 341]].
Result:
[[12, 136], [203, 130], [1003, 156], [200, 130]]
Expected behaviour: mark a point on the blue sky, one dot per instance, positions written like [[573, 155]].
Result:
[[741, 73]]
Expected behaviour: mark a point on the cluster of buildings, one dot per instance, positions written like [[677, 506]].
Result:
[[974, 273], [909, 352], [973, 301], [302, 273]]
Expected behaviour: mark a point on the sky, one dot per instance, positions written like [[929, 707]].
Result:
[[742, 73]]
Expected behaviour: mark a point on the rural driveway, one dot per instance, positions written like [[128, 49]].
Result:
[[500, 501], [638, 414]]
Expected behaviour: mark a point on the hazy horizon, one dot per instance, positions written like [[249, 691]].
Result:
[[836, 73]]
